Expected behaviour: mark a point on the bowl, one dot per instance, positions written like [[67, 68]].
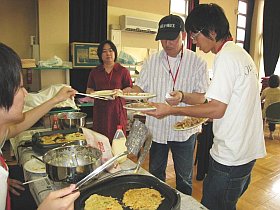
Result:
[[71, 163], [70, 120]]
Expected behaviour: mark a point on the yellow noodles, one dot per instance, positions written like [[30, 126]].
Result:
[[142, 198], [99, 202]]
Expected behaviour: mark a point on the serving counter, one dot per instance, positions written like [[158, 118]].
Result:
[[41, 188]]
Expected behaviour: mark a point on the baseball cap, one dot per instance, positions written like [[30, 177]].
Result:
[[170, 27]]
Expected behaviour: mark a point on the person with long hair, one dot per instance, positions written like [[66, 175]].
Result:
[[109, 75]]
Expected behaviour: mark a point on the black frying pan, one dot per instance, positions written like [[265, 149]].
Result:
[[40, 148], [117, 186]]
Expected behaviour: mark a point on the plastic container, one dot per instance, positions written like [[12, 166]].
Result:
[[118, 144]]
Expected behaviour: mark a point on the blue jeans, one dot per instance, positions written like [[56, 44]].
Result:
[[224, 185], [182, 154]]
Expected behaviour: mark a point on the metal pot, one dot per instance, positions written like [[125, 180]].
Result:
[[69, 120], [71, 163]]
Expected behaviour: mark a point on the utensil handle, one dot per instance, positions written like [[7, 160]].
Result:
[[34, 180], [93, 96], [99, 169], [37, 158]]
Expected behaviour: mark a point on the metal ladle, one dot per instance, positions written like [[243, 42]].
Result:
[[134, 142]]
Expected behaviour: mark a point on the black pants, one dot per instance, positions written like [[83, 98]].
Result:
[[271, 127], [25, 201]]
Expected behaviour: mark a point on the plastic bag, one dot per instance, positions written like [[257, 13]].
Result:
[[102, 143]]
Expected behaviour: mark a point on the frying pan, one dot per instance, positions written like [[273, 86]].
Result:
[[40, 148], [117, 186]]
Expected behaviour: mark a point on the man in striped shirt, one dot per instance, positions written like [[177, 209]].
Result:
[[173, 68]]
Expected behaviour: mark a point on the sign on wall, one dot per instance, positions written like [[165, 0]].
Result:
[[84, 55]]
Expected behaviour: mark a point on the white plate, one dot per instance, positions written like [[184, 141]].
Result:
[[104, 93], [194, 125], [35, 166], [139, 107], [137, 96]]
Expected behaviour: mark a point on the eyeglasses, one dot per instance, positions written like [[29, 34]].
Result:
[[194, 36]]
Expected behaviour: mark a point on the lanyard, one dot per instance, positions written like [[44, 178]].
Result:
[[174, 78], [228, 39]]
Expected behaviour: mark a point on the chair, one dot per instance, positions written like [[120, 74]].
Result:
[[273, 113]]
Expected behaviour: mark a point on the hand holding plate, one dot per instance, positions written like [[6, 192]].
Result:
[[161, 111]]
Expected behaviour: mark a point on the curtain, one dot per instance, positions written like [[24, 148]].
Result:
[[271, 35], [87, 23], [249, 17]]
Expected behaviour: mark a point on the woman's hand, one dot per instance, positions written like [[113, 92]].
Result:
[[56, 200], [15, 186]]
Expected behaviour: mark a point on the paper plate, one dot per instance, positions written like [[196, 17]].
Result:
[[35, 166], [137, 96], [139, 107], [104, 93], [189, 123]]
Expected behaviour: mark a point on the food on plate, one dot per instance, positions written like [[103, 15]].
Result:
[[140, 105], [75, 136], [35, 166], [136, 94], [143, 198], [104, 92], [99, 202], [61, 138], [189, 122], [51, 139]]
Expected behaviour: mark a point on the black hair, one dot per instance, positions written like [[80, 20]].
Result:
[[100, 49], [273, 81], [207, 18], [10, 71]]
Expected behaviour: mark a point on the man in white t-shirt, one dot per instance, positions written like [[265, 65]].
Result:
[[173, 68], [234, 105]]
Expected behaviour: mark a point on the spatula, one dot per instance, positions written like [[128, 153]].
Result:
[[134, 142]]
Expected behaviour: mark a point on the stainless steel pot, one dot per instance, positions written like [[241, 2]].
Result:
[[71, 163], [70, 120]]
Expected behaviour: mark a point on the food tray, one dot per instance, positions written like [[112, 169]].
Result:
[[117, 186], [40, 148]]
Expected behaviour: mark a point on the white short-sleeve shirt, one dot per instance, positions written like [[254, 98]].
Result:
[[238, 135]]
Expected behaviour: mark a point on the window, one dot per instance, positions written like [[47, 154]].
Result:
[[241, 22], [179, 7]]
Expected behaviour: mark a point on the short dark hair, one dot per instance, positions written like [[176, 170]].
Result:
[[273, 81], [10, 71], [100, 49], [207, 18]]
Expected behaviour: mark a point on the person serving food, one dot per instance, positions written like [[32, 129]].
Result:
[[13, 121]]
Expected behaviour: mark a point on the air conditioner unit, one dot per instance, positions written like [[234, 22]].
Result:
[[134, 24]]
